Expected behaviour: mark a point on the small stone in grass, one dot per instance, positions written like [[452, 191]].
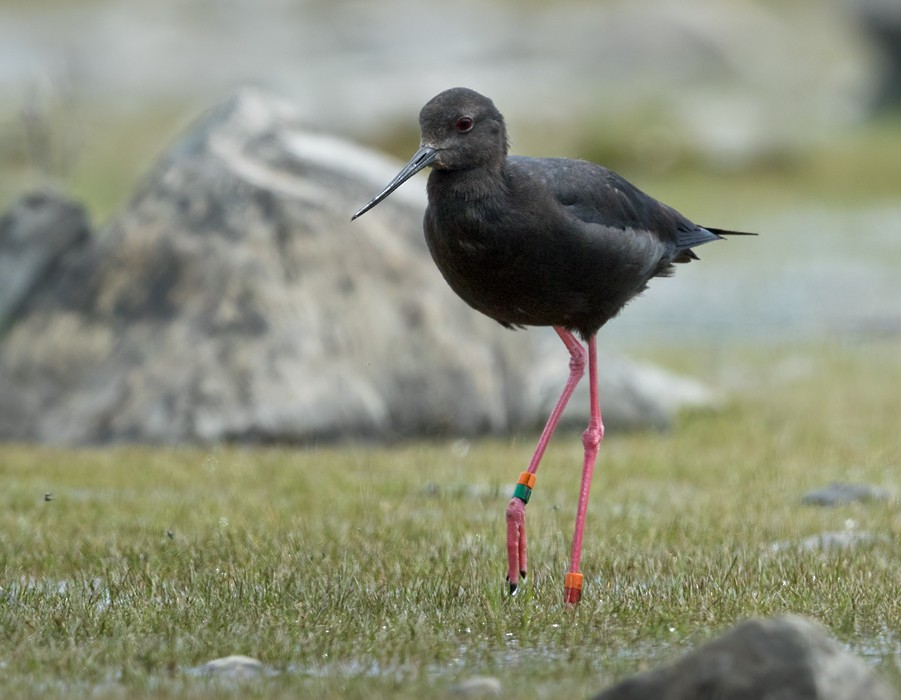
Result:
[[237, 667], [838, 494], [477, 687], [829, 542]]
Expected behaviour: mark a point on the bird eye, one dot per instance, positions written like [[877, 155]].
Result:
[[463, 124]]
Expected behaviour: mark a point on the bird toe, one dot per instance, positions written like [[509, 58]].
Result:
[[514, 587]]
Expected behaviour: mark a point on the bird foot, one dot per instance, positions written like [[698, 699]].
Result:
[[514, 587], [572, 588], [516, 543]]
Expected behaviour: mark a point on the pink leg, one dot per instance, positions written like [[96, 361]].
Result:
[[591, 440], [516, 508]]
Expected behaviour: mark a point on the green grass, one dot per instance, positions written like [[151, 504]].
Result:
[[359, 572], [96, 157]]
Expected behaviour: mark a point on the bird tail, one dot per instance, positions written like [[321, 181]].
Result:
[[723, 232], [699, 236]]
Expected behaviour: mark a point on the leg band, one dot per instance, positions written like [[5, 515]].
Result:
[[523, 488]]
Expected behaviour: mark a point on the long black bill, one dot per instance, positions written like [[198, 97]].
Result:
[[421, 159]]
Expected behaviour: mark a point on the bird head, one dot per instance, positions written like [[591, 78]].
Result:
[[465, 130], [461, 130]]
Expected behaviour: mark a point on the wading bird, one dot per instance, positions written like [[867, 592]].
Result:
[[539, 242]]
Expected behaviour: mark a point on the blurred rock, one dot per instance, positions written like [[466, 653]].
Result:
[[231, 667], [35, 233], [881, 19], [830, 542], [233, 300], [837, 493], [632, 395], [477, 687], [784, 658]]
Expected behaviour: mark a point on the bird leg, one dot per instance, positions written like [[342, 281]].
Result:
[[591, 440], [516, 508]]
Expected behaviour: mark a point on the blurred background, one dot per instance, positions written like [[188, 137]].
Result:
[[772, 116]]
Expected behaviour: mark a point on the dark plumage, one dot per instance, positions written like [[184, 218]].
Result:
[[539, 242]]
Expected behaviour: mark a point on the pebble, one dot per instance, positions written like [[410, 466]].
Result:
[[236, 667], [838, 494], [477, 687]]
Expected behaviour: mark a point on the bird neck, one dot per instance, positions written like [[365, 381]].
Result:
[[485, 182]]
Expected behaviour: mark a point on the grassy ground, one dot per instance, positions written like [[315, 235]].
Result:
[[365, 572]]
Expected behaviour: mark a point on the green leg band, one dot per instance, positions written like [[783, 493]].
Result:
[[522, 492]]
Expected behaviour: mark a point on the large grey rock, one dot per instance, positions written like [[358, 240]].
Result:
[[35, 233], [784, 658], [232, 299], [632, 394]]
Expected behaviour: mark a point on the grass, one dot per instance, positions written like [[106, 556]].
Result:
[[359, 572], [108, 151]]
